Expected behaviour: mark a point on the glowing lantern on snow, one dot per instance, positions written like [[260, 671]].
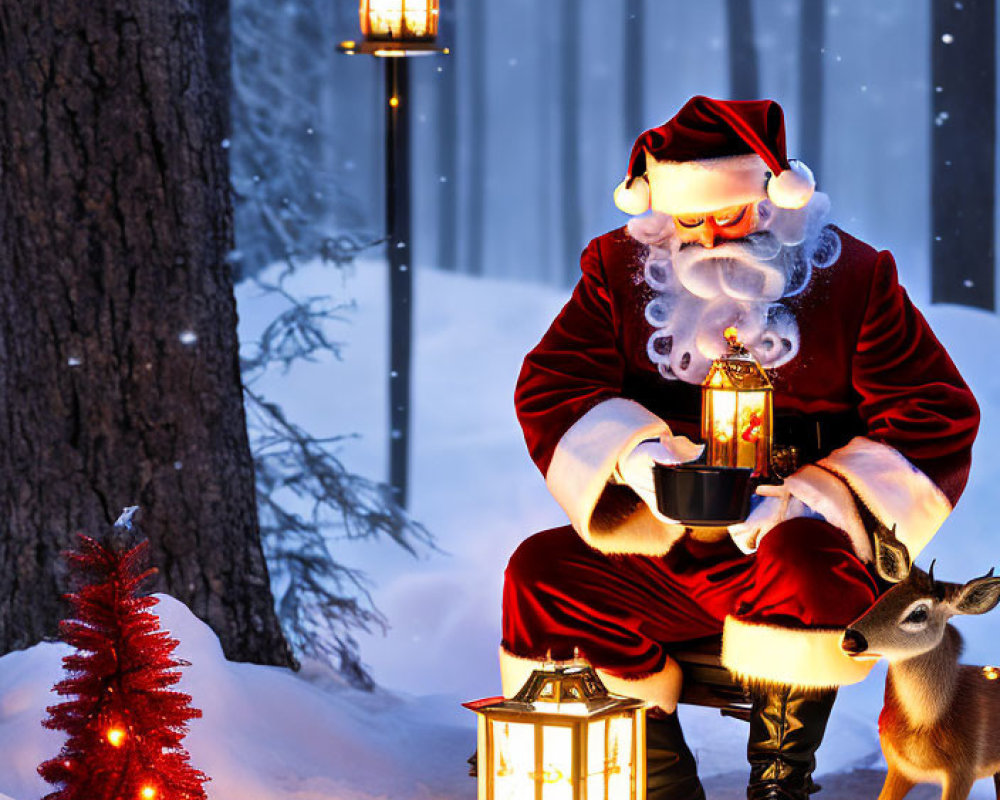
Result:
[[562, 737], [736, 411], [399, 20]]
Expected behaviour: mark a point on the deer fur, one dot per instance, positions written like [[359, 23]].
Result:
[[940, 722]]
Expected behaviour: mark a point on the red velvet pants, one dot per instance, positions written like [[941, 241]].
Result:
[[622, 612]]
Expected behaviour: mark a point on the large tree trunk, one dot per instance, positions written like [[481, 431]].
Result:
[[119, 378], [963, 153], [215, 26]]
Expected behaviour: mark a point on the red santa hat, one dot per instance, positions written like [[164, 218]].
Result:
[[714, 154]]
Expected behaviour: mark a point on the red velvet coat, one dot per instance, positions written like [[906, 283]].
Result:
[[587, 393]]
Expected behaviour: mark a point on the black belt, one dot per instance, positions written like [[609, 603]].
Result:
[[800, 439]]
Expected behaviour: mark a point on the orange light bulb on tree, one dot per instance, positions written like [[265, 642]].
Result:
[[148, 793], [116, 736]]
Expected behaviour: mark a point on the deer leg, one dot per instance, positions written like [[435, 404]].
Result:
[[957, 787], [896, 785], [996, 784]]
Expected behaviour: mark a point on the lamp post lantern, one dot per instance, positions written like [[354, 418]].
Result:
[[393, 30]]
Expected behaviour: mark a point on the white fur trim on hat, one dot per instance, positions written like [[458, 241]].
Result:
[[808, 659], [894, 490], [793, 187], [695, 187], [661, 689], [633, 199], [582, 468]]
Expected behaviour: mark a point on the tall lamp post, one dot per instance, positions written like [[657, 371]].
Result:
[[393, 30]]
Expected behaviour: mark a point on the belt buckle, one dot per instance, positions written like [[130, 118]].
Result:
[[785, 460]]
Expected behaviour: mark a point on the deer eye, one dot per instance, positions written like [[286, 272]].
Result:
[[918, 615]]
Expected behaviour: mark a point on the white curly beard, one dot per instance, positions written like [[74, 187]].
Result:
[[702, 291]]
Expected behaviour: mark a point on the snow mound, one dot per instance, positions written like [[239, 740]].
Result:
[[266, 733]]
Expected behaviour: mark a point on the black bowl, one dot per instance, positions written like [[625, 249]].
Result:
[[698, 495]]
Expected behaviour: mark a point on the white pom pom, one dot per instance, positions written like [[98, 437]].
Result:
[[793, 187], [633, 199]]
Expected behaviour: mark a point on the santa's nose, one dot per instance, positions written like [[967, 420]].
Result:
[[707, 233]]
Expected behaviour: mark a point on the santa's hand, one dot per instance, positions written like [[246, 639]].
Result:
[[809, 492], [777, 506], [636, 468]]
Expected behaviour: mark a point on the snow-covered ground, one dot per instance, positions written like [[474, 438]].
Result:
[[267, 734]]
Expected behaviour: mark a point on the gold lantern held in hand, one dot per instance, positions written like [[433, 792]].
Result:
[[736, 411], [561, 737]]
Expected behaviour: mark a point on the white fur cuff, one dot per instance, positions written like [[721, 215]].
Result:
[[809, 659], [828, 495], [583, 464], [894, 490]]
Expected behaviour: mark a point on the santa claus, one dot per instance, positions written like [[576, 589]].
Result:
[[864, 393]]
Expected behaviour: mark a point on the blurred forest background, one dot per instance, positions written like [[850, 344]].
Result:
[[520, 135]]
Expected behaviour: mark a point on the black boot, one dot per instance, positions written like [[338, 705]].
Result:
[[786, 728], [671, 772]]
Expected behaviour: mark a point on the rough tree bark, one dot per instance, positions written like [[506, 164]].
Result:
[[119, 379]]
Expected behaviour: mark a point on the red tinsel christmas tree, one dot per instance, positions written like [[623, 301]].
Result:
[[125, 724]]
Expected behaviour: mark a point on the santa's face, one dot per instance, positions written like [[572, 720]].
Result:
[[735, 267], [726, 224]]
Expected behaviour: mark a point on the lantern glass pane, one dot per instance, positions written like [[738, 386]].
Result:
[[750, 427], [723, 411], [401, 19], [596, 743], [513, 760], [619, 762], [557, 763]]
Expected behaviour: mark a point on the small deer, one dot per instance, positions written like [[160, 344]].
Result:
[[941, 720]]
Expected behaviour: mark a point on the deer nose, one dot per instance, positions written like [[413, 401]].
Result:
[[853, 642]]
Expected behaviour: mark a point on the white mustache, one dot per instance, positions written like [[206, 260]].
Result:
[[743, 270]]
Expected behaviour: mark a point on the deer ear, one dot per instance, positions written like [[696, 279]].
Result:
[[892, 559], [977, 596]]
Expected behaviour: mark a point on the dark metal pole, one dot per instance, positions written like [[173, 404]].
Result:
[[397, 212]]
